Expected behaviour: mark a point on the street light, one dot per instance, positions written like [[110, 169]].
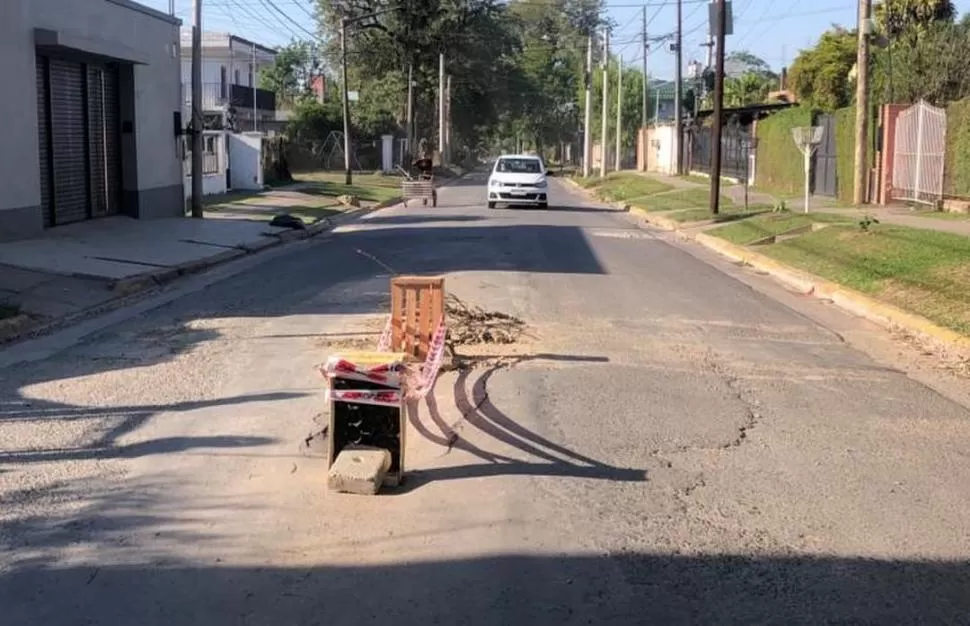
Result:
[[344, 23]]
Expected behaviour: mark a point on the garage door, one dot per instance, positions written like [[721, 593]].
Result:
[[79, 140], [103, 140], [69, 141]]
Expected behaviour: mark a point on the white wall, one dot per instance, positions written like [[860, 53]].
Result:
[[117, 29], [20, 213], [212, 184], [663, 147], [245, 160]]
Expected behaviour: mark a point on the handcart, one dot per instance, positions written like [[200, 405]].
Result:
[[421, 187]]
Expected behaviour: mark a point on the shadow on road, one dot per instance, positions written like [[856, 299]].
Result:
[[477, 410], [619, 589]]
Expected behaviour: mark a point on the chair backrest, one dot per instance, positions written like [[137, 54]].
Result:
[[417, 308]]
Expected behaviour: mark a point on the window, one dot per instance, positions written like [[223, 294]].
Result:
[[236, 78], [222, 81], [519, 166]]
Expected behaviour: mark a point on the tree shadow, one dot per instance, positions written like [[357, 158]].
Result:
[[632, 588]]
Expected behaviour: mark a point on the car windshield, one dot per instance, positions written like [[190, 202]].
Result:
[[519, 166]]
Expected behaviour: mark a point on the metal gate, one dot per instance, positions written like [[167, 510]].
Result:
[[824, 172], [918, 155], [79, 135], [734, 150]]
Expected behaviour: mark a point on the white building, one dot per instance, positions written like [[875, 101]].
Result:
[[91, 99], [231, 67]]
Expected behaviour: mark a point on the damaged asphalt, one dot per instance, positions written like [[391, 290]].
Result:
[[675, 442]]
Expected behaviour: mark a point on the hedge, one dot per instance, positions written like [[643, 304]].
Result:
[[780, 166], [956, 171], [845, 153]]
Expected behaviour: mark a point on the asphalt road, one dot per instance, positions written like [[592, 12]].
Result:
[[679, 441]]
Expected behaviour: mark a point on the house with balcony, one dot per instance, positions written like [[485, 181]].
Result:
[[231, 67]]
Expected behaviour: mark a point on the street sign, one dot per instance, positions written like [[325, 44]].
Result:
[[728, 18], [353, 96]]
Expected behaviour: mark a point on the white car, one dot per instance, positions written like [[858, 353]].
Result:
[[519, 179]]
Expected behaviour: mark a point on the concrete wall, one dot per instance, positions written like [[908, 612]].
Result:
[[245, 160], [20, 212], [146, 42], [212, 184]]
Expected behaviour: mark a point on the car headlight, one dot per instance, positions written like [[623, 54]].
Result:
[[542, 184], [494, 183]]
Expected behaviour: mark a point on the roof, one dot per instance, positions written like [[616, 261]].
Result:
[[221, 40], [519, 156]]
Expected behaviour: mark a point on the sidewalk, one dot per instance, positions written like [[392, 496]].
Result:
[[80, 267], [904, 216]]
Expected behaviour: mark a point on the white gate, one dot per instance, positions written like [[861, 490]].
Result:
[[920, 147]]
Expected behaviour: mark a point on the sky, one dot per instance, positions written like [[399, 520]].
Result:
[[774, 30]]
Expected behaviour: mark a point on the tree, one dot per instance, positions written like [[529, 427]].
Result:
[[820, 75], [747, 89], [911, 17], [931, 66], [742, 62], [292, 71]]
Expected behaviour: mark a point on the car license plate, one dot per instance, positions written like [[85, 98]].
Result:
[[518, 192]]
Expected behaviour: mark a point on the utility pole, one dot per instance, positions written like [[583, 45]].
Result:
[[253, 74], [348, 175], [197, 122], [718, 109], [447, 158], [410, 116], [678, 88], [619, 114], [441, 105], [860, 188], [646, 49], [588, 112], [171, 7], [606, 101]]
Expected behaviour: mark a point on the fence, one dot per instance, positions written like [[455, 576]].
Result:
[[734, 150]]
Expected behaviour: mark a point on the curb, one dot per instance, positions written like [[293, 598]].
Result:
[[885, 315]]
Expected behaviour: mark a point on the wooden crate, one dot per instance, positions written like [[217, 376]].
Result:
[[417, 307]]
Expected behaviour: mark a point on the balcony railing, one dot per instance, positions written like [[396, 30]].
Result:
[[218, 96]]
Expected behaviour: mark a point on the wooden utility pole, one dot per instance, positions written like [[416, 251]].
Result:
[[860, 171], [410, 117], [588, 112], [441, 106], [619, 114], [606, 101], [678, 88], [718, 108], [447, 155], [646, 49], [348, 174], [198, 123]]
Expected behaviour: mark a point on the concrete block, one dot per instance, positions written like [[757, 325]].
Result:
[[360, 470]]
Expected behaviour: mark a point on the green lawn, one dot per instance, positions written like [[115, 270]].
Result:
[[727, 212], [367, 187], [922, 271], [767, 224], [622, 187], [679, 200]]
